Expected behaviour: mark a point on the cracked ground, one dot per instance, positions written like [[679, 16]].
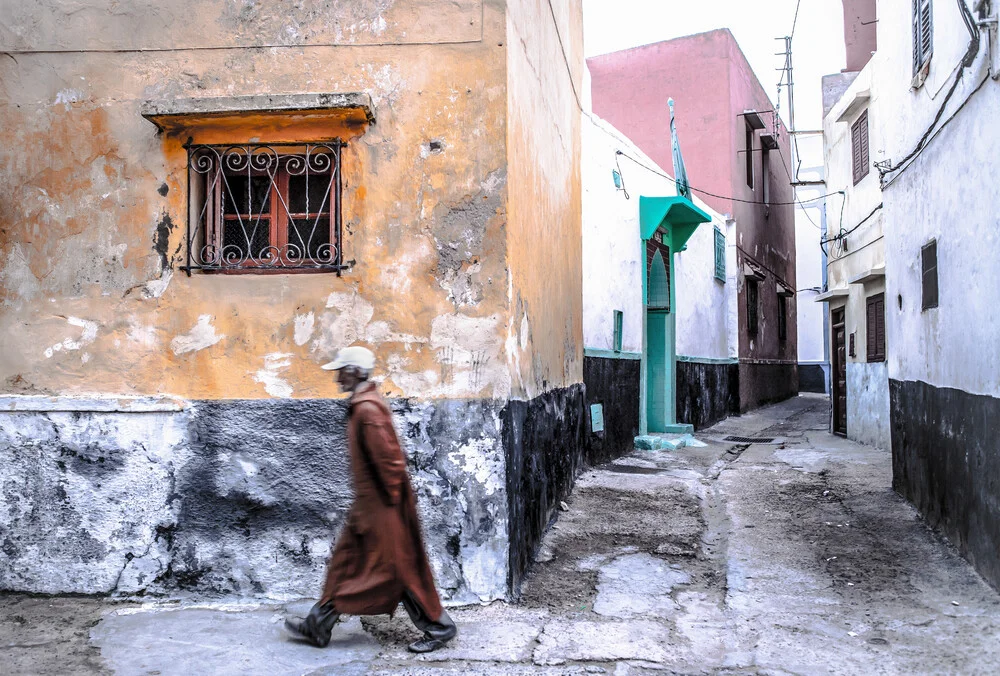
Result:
[[793, 557]]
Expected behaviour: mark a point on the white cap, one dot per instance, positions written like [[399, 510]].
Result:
[[355, 355]]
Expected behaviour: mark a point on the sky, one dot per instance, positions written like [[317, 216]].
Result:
[[817, 44]]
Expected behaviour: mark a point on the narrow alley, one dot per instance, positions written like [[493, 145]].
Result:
[[785, 552]]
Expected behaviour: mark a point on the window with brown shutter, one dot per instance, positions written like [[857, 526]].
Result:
[[923, 35], [929, 276], [859, 147], [752, 308], [875, 327]]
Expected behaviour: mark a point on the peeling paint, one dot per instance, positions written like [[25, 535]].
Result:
[[304, 325], [200, 336], [86, 338], [270, 376]]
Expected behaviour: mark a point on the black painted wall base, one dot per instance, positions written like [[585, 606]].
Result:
[[544, 445], [613, 383], [946, 461], [706, 393], [812, 378], [762, 384]]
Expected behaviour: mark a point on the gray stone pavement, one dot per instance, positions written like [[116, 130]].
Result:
[[793, 557]]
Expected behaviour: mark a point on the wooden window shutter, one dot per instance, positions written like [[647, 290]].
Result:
[[859, 147], [875, 328], [929, 276], [923, 33], [870, 330], [880, 323]]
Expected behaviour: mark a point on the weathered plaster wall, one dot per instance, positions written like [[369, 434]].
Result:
[[615, 385], [544, 439], [706, 391], [868, 403], [93, 202], [235, 497], [943, 367], [543, 135]]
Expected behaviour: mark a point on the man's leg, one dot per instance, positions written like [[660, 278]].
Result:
[[436, 633], [317, 625]]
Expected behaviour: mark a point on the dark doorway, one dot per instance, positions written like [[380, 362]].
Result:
[[839, 372]]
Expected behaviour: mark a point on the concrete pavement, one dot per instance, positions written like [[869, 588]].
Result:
[[787, 557]]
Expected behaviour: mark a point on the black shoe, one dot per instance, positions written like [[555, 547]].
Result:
[[317, 625], [436, 635], [426, 645]]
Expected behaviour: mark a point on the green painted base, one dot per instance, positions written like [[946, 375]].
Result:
[[679, 428]]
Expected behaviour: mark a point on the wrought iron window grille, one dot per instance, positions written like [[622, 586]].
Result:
[[265, 208]]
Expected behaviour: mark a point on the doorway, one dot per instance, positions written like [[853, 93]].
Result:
[[839, 372], [659, 341]]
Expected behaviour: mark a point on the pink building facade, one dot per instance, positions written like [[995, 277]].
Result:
[[737, 155]]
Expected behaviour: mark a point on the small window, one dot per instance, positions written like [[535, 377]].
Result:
[[658, 281], [923, 37], [619, 320], [929, 275], [782, 318], [765, 173], [859, 147], [752, 308], [259, 208], [749, 154], [720, 256], [875, 328]]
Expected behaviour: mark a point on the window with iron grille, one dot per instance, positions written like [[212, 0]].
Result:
[[720, 255], [752, 308], [923, 35], [875, 327], [859, 147], [265, 208], [782, 318], [929, 276], [617, 338]]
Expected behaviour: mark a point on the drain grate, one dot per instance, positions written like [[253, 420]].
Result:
[[750, 440]]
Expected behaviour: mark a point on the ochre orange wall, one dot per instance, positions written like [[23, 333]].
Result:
[[544, 231], [84, 304]]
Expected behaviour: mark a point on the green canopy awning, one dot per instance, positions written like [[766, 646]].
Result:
[[679, 214]]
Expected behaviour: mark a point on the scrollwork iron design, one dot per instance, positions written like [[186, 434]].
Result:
[[264, 207]]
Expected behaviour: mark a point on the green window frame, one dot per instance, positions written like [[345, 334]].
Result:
[[619, 322], [720, 255]]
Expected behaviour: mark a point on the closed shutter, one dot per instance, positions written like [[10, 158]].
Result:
[[871, 331], [923, 33], [929, 276], [880, 325], [875, 328], [720, 255], [859, 147]]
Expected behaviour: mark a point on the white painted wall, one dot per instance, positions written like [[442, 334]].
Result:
[[860, 251], [612, 253], [614, 260], [949, 193], [809, 216]]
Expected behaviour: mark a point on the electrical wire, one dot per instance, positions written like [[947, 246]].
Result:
[[795, 20], [721, 197], [887, 166]]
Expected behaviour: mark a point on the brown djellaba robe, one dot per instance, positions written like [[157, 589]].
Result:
[[380, 553]]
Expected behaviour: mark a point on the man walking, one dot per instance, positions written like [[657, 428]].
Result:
[[379, 559]]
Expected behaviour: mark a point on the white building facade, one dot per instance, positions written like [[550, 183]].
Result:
[[619, 181], [932, 93]]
